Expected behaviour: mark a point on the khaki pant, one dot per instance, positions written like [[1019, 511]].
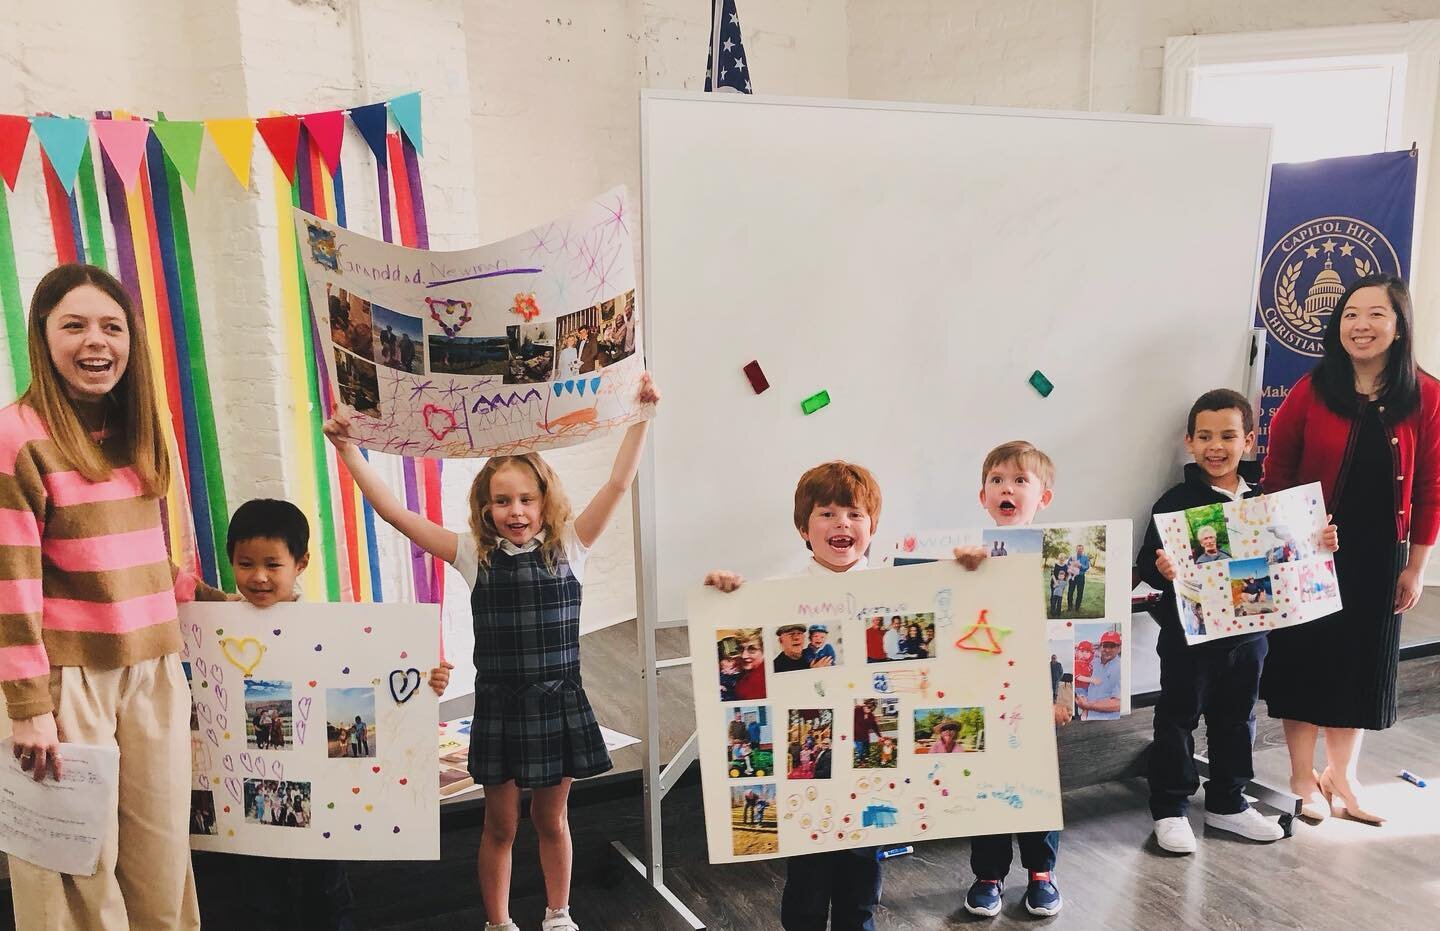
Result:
[[143, 880]]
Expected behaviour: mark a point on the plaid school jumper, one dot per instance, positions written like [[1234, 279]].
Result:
[[532, 720]]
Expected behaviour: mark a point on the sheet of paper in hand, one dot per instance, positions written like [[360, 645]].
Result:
[[525, 344], [59, 825], [1087, 620], [1251, 565], [310, 730], [820, 730]]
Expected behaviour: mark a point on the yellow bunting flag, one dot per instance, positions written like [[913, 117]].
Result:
[[235, 140]]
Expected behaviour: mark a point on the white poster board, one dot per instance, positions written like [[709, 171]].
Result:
[[282, 767], [1084, 590], [848, 753], [525, 344], [1251, 565]]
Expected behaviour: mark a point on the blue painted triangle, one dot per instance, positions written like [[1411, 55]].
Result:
[[406, 110], [559, 387], [580, 386], [595, 384], [63, 138], [370, 120], [570, 385]]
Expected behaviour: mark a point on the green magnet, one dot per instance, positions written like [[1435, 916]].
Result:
[[816, 401], [1040, 383]]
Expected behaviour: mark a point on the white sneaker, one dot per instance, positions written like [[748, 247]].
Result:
[[558, 920], [1248, 823], [1175, 835], [507, 926]]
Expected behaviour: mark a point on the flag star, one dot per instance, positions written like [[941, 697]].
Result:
[[747, 87], [1311, 252], [728, 45], [1347, 249], [734, 20], [1328, 245], [722, 74], [740, 64]]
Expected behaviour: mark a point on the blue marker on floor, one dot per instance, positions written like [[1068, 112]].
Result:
[[1412, 778], [893, 852]]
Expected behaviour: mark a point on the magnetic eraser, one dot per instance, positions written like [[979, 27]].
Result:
[[757, 377]]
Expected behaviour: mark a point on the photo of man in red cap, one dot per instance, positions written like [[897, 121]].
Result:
[[1101, 701]]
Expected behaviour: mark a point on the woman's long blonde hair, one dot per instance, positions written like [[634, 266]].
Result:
[[554, 508], [133, 395]]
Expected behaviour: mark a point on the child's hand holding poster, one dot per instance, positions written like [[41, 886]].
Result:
[[1252, 564], [815, 735], [1087, 620], [525, 344], [311, 729]]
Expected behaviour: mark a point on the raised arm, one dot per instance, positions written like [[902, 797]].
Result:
[[596, 516], [426, 534]]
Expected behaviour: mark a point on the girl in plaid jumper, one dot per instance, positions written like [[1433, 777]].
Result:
[[524, 558]]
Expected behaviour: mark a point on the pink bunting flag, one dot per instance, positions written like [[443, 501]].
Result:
[[124, 142], [328, 131]]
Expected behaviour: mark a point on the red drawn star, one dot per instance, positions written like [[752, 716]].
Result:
[[981, 628]]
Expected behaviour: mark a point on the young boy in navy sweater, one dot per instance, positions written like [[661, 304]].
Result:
[[1221, 678]]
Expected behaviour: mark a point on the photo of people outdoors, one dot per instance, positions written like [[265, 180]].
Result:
[[750, 748], [1250, 591], [1011, 541], [1098, 676], [1062, 671], [350, 722], [532, 352], [1317, 581], [896, 637], [268, 716], [877, 730], [202, 811], [753, 825], [740, 654], [399, 342], [469, 355], [1209, 536], [277, 802], [1074, 565], [351, 324], [801, 646], [1192, 616], [358, 381], [809, 743], [949, 730]]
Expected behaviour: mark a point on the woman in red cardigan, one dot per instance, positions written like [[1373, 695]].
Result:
[[1365, 423]]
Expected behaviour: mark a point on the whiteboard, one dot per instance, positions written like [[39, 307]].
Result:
[[918, 262]]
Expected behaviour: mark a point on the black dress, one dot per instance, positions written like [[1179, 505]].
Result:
[[1339, 671]]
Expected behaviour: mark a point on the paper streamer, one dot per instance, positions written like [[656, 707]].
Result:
[[61, 226], [90, 209], [11, 301]]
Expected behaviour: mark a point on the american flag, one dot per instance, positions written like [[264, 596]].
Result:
[[733, 73]]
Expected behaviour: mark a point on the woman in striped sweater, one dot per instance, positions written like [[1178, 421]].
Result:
[[89, 641]]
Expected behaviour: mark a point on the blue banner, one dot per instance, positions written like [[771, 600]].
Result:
[[1329, 222]]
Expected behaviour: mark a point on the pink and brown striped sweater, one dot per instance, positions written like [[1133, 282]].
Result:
[[85, 578]]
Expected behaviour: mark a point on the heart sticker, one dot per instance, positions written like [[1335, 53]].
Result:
[[244, 653], [403, 683]]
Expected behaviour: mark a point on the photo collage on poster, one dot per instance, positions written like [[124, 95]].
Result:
[[1252, 564], [1087, 623]]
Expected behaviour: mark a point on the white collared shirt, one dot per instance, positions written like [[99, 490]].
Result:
[[467, 559], [1240, 491]]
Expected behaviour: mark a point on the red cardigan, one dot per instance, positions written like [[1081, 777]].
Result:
[[1310, 443]]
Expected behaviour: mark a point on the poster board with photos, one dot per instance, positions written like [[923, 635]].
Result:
[[1087, 621], [311, 730], [529, 343], [1250, 565], [824, 746]]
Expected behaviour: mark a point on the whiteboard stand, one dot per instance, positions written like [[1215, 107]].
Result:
[[656, 782]]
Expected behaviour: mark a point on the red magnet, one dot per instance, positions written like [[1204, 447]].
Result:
[[757, 377]]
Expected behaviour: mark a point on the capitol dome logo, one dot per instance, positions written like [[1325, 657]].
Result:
[[1305, 273]]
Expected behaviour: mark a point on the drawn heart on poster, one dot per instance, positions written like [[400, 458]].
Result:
[[444, 312], [403, 683], [232, 785], [277, 769], [244, 653], [909, 544], [438, 421], [303, 706], [228, 762], [221, 721], [203, 712], [210, 733], [247, 763]]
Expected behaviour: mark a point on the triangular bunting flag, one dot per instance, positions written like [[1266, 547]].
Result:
[[14, 133], [328, 131], [406, 110], [124, 142], [181, 141], [234, 139], [282, 136], [371, 121], [63, 138]]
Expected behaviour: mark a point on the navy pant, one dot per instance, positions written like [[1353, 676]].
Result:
[[991, 854], [841, 886], [1076, 592], [1221, 683]]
